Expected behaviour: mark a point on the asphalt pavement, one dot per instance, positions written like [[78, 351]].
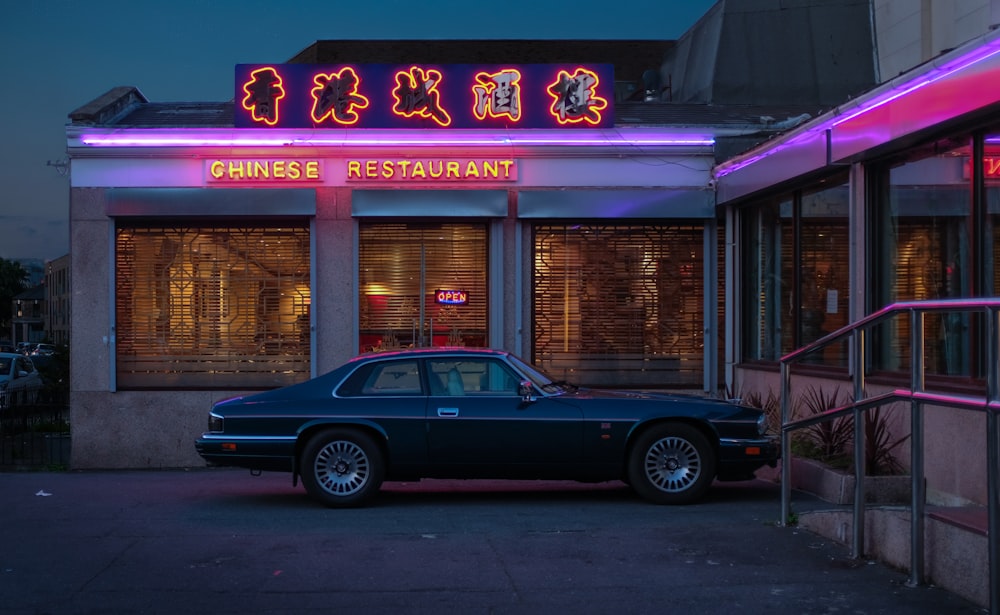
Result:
[[222, 541]]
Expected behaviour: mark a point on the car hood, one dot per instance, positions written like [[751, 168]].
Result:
[[704, 406], [586, 393]]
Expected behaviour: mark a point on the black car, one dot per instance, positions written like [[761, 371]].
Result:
[[480, 413]]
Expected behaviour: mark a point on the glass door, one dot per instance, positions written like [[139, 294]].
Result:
[[422, 285]]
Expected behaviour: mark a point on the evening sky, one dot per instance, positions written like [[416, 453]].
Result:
[[58, 55]]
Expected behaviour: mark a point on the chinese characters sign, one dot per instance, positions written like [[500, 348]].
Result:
[[413, 96]]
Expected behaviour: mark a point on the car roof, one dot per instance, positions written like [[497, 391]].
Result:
[[450, 351]]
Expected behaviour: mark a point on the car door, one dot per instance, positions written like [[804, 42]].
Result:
[[476, 417]]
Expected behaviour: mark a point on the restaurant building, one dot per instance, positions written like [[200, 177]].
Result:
[[617, 227], [334, 208]]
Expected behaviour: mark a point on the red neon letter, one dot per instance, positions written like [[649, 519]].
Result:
[[497, 94], [336, 96], [574, 98], [416, 94], [263, 91]]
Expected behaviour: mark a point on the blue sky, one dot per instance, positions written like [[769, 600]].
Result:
[[59, 54]]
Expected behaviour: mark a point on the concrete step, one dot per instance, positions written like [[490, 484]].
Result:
[[955, 543]]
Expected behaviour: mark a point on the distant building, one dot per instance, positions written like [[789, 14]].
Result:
[[28, 315], [35, 269], [58, 300]]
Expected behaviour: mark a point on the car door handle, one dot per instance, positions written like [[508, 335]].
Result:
[[447, 411]]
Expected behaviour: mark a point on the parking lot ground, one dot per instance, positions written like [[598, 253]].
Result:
[[223, 541]]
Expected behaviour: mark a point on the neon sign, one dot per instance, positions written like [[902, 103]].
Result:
[[575, 98], [416, 94], [431, 169], [279, 170], [451, 297], [336, 97], [263, 92], [497, 97], [991, 167]]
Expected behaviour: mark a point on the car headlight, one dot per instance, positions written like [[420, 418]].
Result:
[[761, 424], [215, 422]]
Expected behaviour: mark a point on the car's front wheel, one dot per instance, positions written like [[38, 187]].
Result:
[[673, 463], [342, 467]]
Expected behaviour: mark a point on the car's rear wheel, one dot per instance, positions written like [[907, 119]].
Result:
[[672, 463], [342, 467]]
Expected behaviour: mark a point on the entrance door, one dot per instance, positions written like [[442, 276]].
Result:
[[422, 284]]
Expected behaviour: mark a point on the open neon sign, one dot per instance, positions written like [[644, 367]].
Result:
[[451, 297], [414, 96]]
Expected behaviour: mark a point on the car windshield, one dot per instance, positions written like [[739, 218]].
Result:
[[539, 378], [4, 366]]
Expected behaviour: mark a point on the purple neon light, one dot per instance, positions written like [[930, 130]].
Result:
[[879, 103], [959, 64], [194, 138]]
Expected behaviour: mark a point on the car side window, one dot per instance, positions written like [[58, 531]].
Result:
[[389, 378], [471, 377], [394, 378]]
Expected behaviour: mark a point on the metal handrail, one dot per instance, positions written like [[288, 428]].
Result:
[[918, 397]]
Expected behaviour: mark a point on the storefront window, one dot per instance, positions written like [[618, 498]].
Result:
[[212, 306], [795, 272], [991, 230], [423, 285], [921, 250], [618, 305], [766, 281]]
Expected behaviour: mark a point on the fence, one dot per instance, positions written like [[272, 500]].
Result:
[[34, 436]]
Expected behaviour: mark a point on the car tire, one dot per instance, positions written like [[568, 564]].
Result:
[[672, 463], [342, 468]]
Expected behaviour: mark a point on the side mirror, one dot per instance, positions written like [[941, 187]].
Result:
[[526, 391]]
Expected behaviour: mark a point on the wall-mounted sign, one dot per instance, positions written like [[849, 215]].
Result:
[[416, 170], [451, 297], [410, 96], [263, 170]]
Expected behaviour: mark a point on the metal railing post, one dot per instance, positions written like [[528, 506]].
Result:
[[917, 495], [786, 449], [993, 456], [858, 542]]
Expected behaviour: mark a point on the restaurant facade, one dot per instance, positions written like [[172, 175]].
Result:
[[219, 248], [331, 210]]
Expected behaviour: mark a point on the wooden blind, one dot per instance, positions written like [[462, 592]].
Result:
[[620, 305], [453, 256], [212, 306]]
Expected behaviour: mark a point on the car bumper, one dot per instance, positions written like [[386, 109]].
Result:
[[739, 459], [272, 454]]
